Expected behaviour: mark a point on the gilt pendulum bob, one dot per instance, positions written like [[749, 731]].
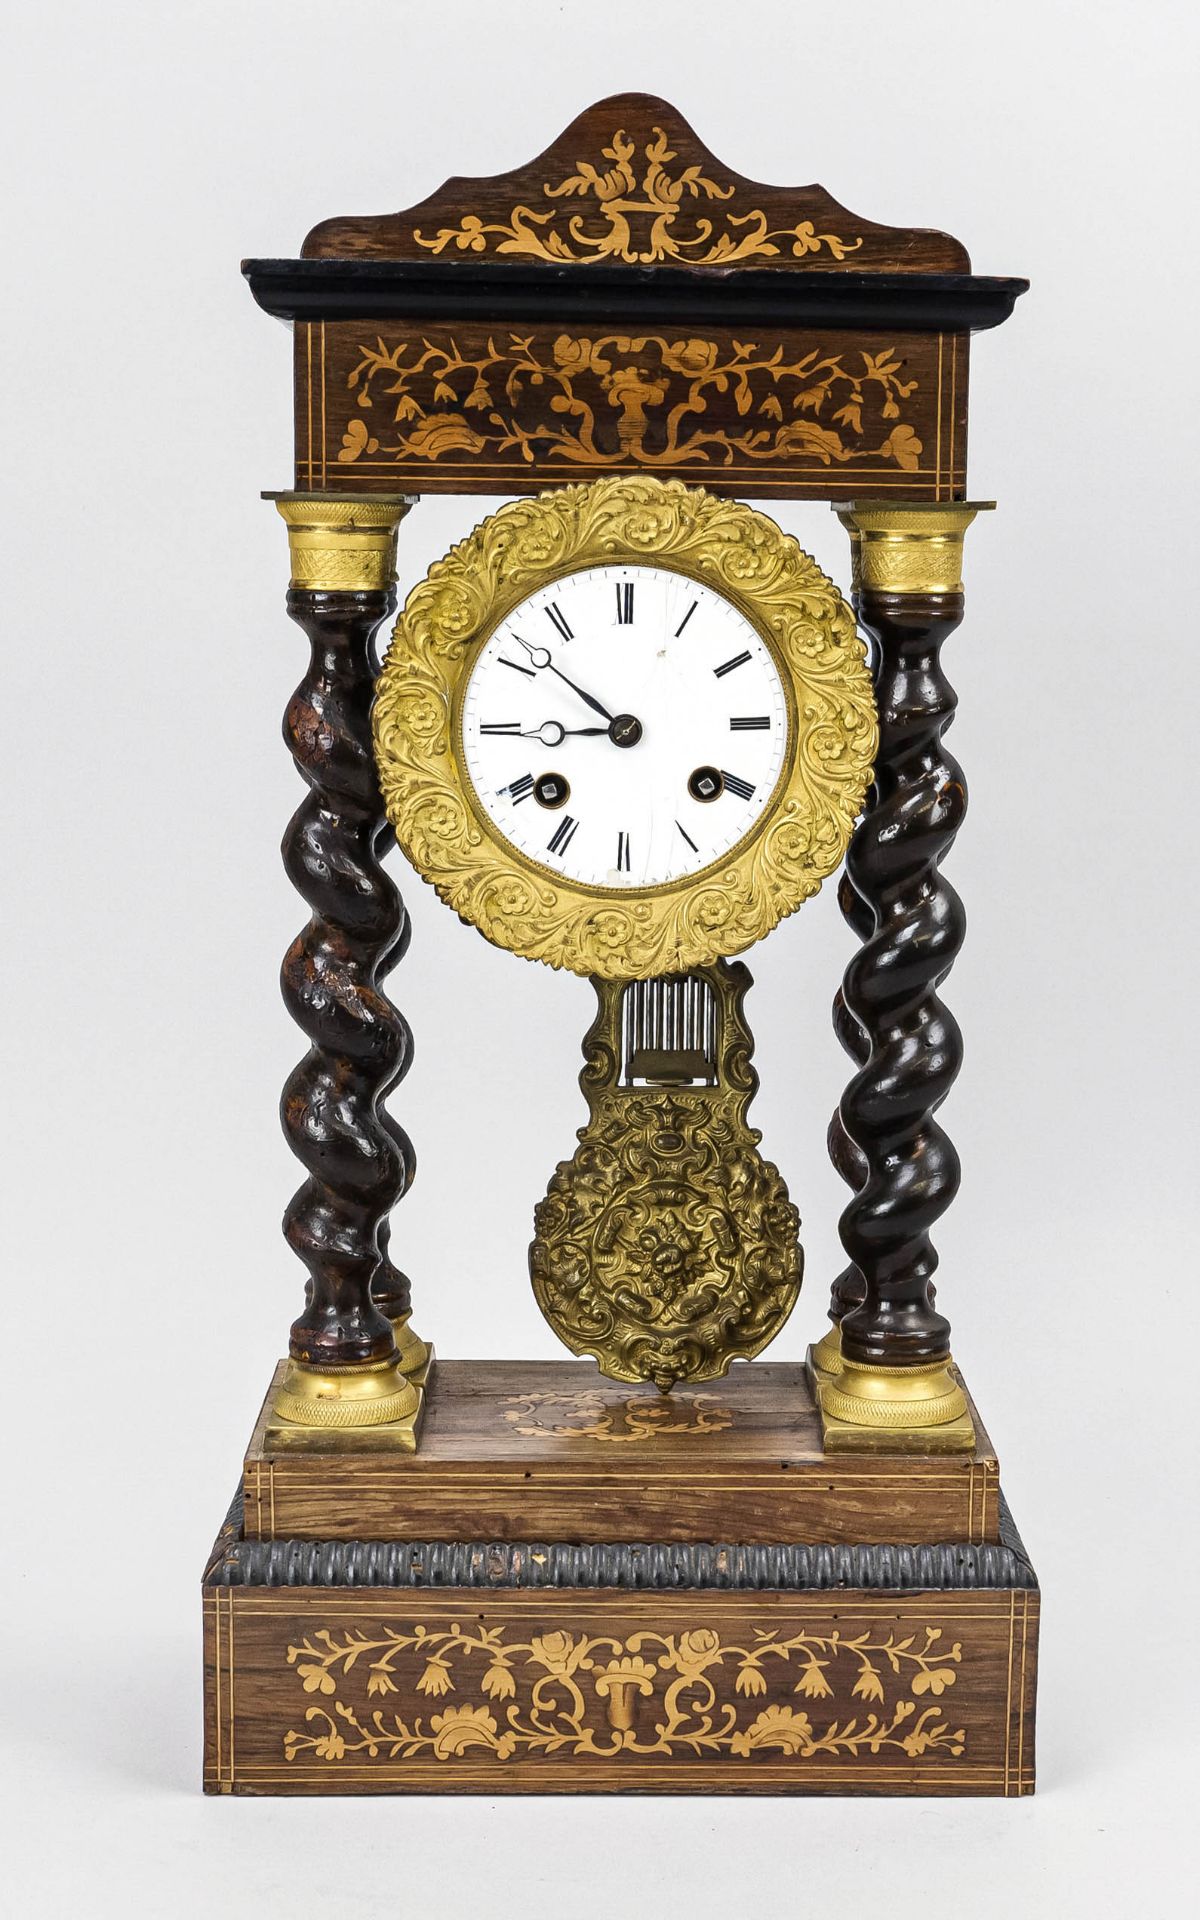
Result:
[[667, 1246], [625, 728]]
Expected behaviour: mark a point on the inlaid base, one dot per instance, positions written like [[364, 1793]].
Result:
[[574, 1586], [482, 1667]]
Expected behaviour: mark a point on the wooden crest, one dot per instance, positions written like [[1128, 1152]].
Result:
[[627, 303], [629, 184]]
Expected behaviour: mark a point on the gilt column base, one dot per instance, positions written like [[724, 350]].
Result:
[[387, 1400], [416, 1355], [873, 1409], [825, 1356]]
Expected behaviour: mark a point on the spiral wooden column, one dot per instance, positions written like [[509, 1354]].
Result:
[[391, 1289], [888, 1381], [848, 1159], [348, 1368]]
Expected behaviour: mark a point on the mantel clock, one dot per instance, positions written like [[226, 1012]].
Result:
[[624, 727]]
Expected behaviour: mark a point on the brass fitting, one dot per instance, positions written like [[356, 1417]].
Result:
[[342, 543]]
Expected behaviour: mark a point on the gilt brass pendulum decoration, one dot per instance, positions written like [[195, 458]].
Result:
[[667, 1247]]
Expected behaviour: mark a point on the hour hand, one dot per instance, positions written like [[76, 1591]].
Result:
[[552, 733]]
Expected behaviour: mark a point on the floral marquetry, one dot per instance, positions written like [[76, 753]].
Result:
[[746, 409], [692, 1690], [648, 1694], [640, 398], [638, 200]]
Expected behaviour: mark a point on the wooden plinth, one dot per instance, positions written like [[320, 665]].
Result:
[[522, 1450], [577, 1587]]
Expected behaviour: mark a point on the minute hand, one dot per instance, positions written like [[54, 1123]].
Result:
[[593, 704]]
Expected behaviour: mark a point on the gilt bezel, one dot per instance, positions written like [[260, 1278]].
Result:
[[797, 839]]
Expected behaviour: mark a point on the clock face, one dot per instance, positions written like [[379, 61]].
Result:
[[625, 726]]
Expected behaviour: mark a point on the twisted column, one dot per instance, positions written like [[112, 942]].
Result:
[[391, 1290], [346, 1368], [890, 1382], [848, 1160]]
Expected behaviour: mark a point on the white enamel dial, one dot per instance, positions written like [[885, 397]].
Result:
[[625, 726]]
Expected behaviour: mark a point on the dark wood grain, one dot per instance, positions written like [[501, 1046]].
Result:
[[891, 1018], [358, 1160]]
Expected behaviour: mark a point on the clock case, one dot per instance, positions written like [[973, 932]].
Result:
[[558, 1582]]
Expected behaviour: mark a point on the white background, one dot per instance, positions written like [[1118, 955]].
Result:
[[146, 1289]]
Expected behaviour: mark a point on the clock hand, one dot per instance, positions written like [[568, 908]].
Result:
[[540, 657], [585, 697], [552, 733]]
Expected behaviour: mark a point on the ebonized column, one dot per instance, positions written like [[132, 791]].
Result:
[[849, 1160], [893, 1373], [391, 1289], [345, 1366]]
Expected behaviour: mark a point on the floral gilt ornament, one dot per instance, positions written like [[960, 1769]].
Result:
[[651, 1693]]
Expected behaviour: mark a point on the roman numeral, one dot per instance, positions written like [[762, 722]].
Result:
[[563, 834], [517, 667], [624, 602], [751, 723], [556, 617], [734, 784], [687, 836], [499, 726], [622, 853], [739, 660], [682, 624], [518, 790]]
